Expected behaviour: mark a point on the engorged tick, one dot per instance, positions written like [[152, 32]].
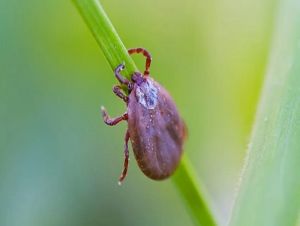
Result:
[[155, 127]]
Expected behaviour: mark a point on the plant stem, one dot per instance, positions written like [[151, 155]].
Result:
[[187, 184], [116, 53], [106, 35]]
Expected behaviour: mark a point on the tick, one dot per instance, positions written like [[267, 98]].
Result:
[[155, 128]]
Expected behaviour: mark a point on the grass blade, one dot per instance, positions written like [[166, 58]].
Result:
[[105, 34], [270, 188], [193, 194]]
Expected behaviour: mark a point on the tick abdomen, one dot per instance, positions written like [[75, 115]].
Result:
[[156, 129]]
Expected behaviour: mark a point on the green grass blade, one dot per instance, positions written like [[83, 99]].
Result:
[[116, 53], [270, 187], [193, 194], [105, 34]]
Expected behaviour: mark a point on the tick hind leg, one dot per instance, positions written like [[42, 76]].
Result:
[[126, 160], [112, 121], [146, 54]]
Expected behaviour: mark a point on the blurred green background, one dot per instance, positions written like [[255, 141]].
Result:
[[59, 163]]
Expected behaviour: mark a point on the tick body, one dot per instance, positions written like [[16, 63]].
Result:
[[155, 128]]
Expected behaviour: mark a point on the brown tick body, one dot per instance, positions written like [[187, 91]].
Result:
[[155, 128]]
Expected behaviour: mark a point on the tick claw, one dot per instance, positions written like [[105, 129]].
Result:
[[121, 66], [103, 111]]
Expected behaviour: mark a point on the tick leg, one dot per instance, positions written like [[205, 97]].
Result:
[[121, 79], [112, 121], [117, 90], [126, 160], [146, 54]]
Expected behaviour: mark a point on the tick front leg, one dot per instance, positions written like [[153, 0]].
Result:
[[112, 121], [118, 91], [126, 160], [146, 54], [121, 79]]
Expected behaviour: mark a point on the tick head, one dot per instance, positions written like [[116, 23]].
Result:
[[137, 78]]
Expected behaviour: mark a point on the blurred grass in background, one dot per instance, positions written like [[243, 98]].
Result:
[[59, 164]]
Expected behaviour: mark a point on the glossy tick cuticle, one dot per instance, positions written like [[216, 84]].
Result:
[[155, 128]]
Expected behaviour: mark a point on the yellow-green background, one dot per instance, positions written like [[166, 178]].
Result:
[[59, 163]]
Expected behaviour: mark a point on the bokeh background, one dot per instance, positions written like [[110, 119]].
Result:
[[59, 163]]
